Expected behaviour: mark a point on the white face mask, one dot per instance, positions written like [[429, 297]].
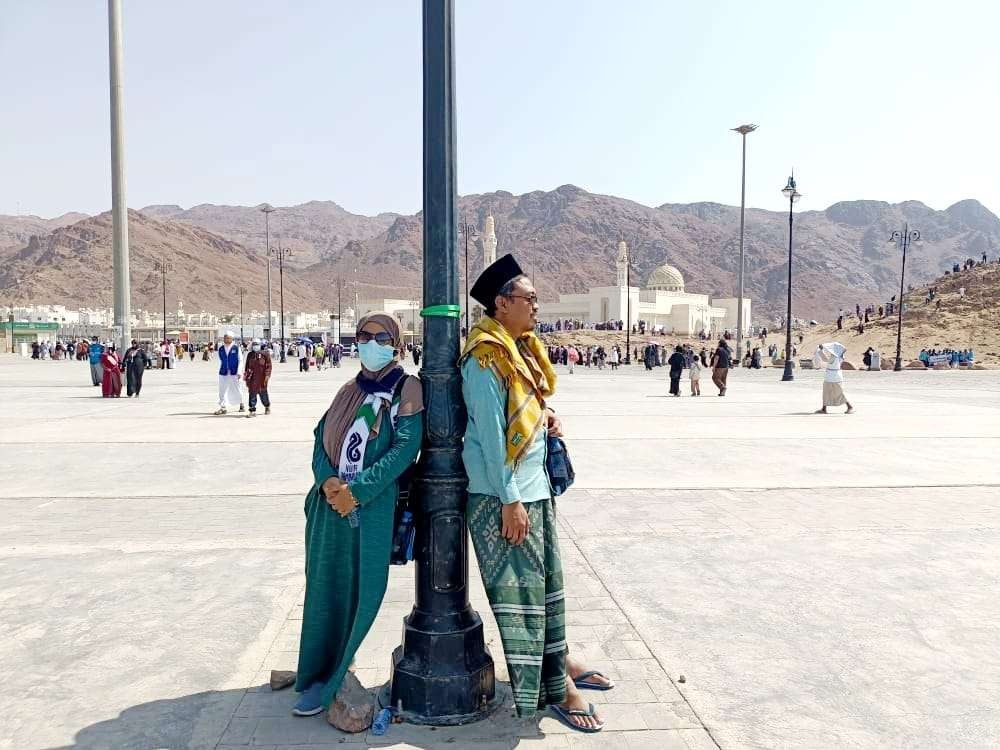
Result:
[[256, 347]]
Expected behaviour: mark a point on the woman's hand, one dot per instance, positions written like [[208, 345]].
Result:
[[331, 487], [514, 525], [554, 424], [343, 501]]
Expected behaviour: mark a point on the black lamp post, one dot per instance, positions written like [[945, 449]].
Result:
[[10, 319], [628, 305], [793, 195], [163, 266], [742, 130], [903, 239], [442, 673], [282, 253]]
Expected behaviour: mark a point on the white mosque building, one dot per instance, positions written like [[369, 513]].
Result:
[[663, 304]]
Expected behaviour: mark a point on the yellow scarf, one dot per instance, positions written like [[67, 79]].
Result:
[[522, 367]]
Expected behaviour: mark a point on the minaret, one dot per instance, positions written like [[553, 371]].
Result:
[[489, 240], [622, 264]]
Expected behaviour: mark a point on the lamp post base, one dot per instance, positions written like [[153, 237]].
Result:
[[787, 374], [442, 678], [899, 365]]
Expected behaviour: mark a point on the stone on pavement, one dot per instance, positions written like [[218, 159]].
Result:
[[353, 708]]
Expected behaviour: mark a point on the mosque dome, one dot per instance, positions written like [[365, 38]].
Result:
[[666, 278]]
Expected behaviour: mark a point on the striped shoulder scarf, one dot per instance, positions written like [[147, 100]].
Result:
[[522, 367]]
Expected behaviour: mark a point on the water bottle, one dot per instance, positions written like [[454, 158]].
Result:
[[381, 722]]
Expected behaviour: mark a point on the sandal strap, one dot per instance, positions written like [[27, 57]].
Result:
[[591, 673]]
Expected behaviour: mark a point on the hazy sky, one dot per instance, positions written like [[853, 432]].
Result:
[[244, 101]]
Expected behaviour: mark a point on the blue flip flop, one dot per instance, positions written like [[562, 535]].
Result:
[[564, 714], [582, 684]]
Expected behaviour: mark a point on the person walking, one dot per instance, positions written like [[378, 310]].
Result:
[[695, 371], [572, 357], [136, 362], [302, 352], [229, 374], [111, 378], [94, 353], [676, 362], [506, 379], [721, 360], [831, 356], [256, 374], [369, 436]]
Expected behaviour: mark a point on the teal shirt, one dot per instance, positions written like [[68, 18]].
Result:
[[485, 448]]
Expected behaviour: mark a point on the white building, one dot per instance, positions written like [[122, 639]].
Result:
[[663, 302], [406, 311]]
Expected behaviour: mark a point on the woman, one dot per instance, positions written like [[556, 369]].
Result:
[[676, 363], [613, 358], [111, 382], [369, 436], [831, 356]]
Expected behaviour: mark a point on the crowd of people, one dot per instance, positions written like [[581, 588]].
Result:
[[948, 356]]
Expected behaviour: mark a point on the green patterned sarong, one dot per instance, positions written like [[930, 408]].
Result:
[[525, 588]]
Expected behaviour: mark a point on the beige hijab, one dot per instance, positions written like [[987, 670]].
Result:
[[343, 410]]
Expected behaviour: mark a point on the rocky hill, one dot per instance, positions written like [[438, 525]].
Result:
[[566, 238], [312, 230], [72, 266], [17, 231]]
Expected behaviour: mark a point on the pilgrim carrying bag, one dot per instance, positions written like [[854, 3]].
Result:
[[404, 530], [558, 466]]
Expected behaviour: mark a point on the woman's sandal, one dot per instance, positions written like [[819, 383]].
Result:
[[564, 714], [582, 684]]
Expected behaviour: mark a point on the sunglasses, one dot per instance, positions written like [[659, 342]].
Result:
[[381, 338]]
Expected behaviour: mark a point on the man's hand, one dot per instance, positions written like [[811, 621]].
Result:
[[554, 424], [514, 524]]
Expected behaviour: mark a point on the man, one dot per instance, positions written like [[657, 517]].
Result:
[[256, 374], [94, 353], [302, 351], [506, 377], [136, 363], [229, 374], [721, 361]]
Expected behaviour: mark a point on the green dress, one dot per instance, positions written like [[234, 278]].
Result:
[[347, 568]]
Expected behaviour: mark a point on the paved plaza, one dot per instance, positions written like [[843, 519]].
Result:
[[819, 581]]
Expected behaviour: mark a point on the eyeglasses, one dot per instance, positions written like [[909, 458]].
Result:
[[532, 298], [381, 338]]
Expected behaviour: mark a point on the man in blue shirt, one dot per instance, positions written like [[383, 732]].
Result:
[[506, 377], [94, 352]]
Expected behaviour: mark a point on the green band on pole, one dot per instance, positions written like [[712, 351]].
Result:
[[441, 311]]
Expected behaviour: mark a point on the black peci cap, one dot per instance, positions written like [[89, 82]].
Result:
[[492, 279]]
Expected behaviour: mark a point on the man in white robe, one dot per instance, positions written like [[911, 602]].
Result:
[[831, 356], [230, 367]]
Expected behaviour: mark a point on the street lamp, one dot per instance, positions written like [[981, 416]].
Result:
[[10, 319], [282, 253], [903, 240], [267, 210], [442, 672], [742, 130], [163, 266], [628, 304], [243, 291], [790, 192], [470, 233]]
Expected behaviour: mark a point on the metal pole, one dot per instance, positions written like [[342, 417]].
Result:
[[340, 286], [281, 292], [787, 375], [163, 274], [242, 292], [904, 239], [119, 209], [268, 210], [442, 673], [739, 297]]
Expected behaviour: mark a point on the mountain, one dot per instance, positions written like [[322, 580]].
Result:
[[15, 231], [72, 266], [566, 238], [312, 231]]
